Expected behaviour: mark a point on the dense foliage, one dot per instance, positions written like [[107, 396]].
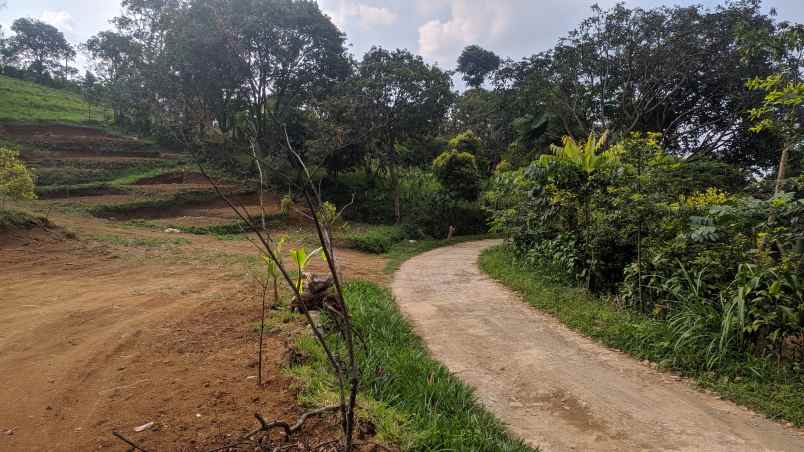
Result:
[[723, 269], [16, 180]]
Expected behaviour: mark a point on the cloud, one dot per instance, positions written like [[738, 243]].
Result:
[[59, 19], [468, 23], [368, 16]]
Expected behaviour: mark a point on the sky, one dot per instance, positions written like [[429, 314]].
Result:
[[436, 29]]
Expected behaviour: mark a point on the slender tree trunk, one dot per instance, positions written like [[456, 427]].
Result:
[[262, 330], [397, 194], [782, 167]]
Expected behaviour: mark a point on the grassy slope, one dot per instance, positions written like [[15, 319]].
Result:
[[24, 101], [413, 400], [756, 383]]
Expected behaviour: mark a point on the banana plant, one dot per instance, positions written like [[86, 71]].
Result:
[[585, 156], [302, 259]]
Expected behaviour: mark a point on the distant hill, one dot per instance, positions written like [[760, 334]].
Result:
[[22, 101]]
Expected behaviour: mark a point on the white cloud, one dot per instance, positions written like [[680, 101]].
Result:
[[368, 16], [59, 19], [469, 23]]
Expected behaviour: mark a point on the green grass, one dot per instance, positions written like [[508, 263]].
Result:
[[413, 400], [404, 250], [179, 199], [376, 239], [23, 101], [140, 242], [757, 383], [11, 219], [114, 181]]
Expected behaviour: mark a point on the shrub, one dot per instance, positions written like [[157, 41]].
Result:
[[458, 172], [16, 180], [378, 239], [466, 142]]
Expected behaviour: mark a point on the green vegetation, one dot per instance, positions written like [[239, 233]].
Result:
[[752, 381], [13, 219], [16, 180], [140, 242], [412, 400], [25, 101], [179, 199], [377, 239]]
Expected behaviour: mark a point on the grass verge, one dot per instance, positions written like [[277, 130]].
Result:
[[412, 400], [757, 383]]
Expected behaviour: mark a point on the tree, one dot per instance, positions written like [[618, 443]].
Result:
[[676, 71], [466, 142], [41, 46], [398, 100], [781, 110], [476, 63], [16, 180], [91, 91], [286, 53], [780, 113], [458, 173]]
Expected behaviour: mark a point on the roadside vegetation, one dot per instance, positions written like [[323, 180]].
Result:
[[646, 172], [753, 381], [413, 401]]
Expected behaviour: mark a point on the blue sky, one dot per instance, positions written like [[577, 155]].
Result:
[[436, 29]]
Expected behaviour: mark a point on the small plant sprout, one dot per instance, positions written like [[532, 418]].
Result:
[[273, 274]]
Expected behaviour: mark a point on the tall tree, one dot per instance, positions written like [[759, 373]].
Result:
[[287, 53], [41, 46], [476, 63], [399, 100], [677, 71]]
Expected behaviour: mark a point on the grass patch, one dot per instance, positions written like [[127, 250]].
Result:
[[757, 383], [13, 219], [106, 182], [376, 239], [413, 400], [140, 242], [404, 250], [31, 102], [180, 199]]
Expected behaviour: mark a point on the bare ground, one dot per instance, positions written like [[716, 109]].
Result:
[[555, 388], [99, 336]]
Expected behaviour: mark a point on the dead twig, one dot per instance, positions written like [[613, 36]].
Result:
[[133, 445]]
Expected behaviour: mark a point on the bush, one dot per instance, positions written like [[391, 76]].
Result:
[[427, 209], [377, 239], [16, 180], [457, 171]]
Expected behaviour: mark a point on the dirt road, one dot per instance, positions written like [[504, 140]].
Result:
[[555, 388], [98, 338]]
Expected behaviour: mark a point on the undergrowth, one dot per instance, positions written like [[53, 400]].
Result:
[[377, 239], [11, 219], [755, 382]]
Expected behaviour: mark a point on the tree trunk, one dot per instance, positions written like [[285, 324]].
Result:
[[397, 194], [782, 166]]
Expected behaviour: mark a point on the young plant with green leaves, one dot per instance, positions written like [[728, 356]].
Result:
[[273, 275]]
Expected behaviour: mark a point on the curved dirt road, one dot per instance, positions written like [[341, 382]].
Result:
[[553, 387]]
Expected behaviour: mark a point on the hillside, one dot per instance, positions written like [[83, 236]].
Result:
[[30, 102]]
